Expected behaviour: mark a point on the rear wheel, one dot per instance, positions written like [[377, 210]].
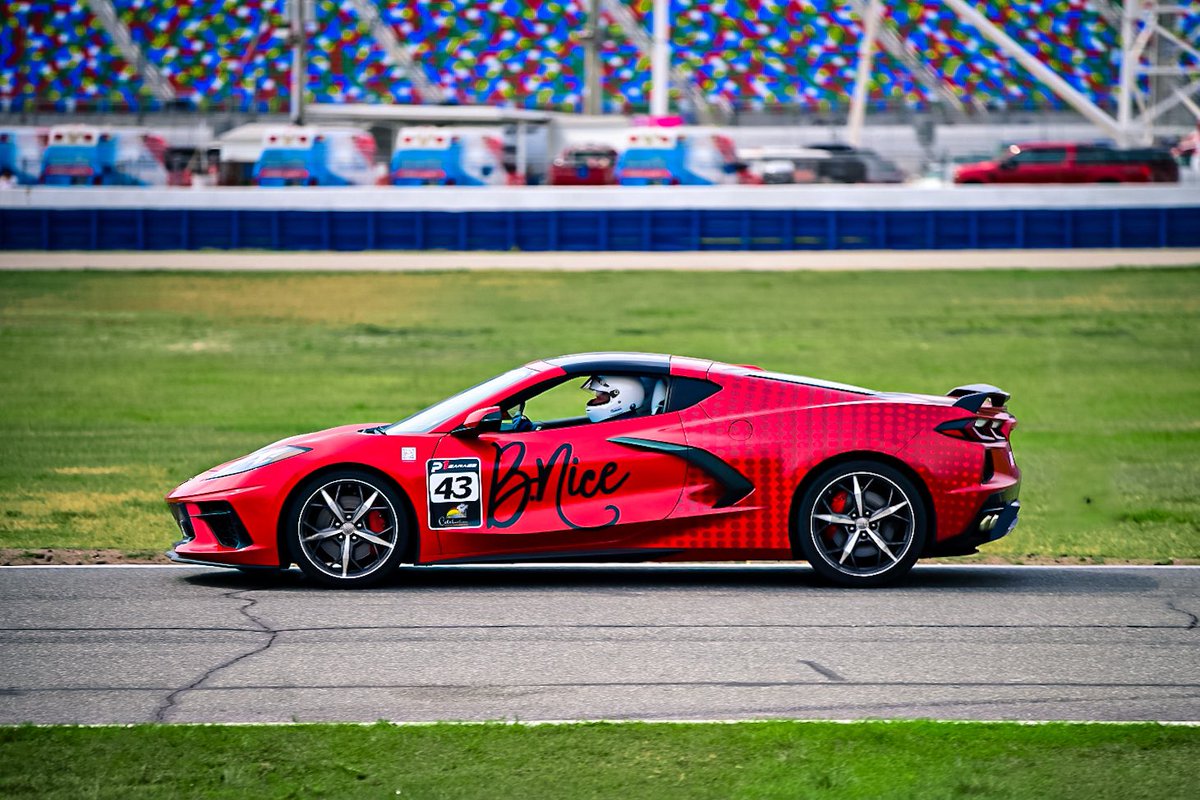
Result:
[[347, 529], [861, 524]]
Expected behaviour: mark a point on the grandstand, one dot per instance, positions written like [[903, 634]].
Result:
[[738, 54]]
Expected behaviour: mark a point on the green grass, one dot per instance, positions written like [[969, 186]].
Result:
[[116, 387], [927, 760]]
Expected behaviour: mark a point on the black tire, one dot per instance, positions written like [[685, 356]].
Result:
[[844, 547], [347, 547]]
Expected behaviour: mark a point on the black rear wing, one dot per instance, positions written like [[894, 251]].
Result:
[[972, 396]]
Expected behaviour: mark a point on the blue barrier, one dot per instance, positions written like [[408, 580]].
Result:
[[597, 230]]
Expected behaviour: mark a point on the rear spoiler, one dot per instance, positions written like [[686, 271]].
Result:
[[972, 396]]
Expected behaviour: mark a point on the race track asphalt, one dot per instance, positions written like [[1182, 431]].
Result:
[[132, 644]]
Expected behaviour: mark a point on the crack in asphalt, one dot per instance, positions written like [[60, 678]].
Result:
[[1194, 621], [844, 683], [170, 701], [634, 625]]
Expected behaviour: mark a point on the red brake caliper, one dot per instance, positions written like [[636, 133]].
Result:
[[376, 523], [838, 505]]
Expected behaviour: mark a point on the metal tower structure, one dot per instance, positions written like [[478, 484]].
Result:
[[1154, 76], [1155, 79]]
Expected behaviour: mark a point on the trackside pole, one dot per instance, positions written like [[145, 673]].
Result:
[[299, 69], [1129, 13], [660, 61], [592, 101]]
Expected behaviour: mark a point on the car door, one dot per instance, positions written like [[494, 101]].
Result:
[[562, 488]]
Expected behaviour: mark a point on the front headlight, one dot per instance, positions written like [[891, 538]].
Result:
[[259, 458]]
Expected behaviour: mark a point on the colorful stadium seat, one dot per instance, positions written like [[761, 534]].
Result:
[[57, 54], [741, 53]]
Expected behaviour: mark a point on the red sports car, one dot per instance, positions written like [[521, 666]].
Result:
[[661, 458]]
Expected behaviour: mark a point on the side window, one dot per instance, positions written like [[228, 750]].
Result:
[[565, 403], [687, 392], [1049, 155]]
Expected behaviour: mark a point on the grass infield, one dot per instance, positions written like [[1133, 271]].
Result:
[[917, 759], [116, 387]]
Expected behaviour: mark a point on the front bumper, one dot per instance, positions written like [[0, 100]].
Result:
[[216, 530]]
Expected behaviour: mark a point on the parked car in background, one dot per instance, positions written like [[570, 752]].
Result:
[[193, 166], [1071, 162], [848, 164], [776, 165], [585, 165], [821, 163]]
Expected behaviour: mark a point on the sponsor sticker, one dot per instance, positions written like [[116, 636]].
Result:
[[408, 454], [455, 499]]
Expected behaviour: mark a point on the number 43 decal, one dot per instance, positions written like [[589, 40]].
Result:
[[454, 496], [456, 487]]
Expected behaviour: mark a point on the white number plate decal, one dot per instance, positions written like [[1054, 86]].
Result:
[[454, 497]]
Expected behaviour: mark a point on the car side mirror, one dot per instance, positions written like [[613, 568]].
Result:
[[481, 420]]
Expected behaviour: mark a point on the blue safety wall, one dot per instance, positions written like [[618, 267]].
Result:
[[663, 229]]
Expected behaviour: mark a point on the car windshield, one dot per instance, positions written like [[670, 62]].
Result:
[[466, 400]]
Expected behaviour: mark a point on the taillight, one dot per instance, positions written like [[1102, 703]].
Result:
[[975, 429]]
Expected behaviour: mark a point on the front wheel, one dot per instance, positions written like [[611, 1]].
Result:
[[347, 529], [861, 524]]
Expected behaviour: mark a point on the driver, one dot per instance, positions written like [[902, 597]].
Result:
[[614, 397]]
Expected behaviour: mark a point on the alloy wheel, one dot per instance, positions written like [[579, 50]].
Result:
[[862, 524], [347, 529]]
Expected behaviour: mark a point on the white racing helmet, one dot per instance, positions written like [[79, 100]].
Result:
[[614, 396]]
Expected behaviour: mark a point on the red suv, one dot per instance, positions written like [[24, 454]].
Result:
[[1067, 162]]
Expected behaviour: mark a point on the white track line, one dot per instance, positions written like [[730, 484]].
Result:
[[665, 567], [732, 261], [528, 723]]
